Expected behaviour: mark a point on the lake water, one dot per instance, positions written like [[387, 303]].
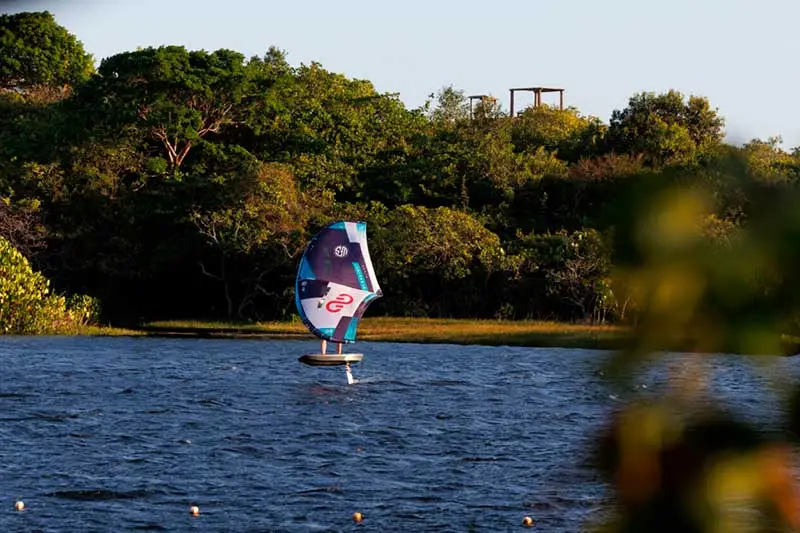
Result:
[[124, 434]]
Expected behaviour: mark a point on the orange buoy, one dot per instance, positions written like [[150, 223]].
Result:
[[194, 510], [358, 517], [527, 521], [19, 506]]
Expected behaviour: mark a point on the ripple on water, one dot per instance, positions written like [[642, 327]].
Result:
[[124, 434], [99, 494]]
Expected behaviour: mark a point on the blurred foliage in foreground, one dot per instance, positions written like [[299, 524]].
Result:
[[681, 463]]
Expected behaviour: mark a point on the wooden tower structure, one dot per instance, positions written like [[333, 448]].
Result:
[[537, 96], [481, 98]]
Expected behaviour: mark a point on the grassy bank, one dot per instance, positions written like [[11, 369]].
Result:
[[110, 331], [429, 330], [421, 330]]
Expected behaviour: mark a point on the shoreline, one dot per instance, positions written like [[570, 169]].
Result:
[[417, 330], [534, 334]]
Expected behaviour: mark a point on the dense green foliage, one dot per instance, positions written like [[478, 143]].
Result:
[[35, 50], [29, 306], [185, 183]]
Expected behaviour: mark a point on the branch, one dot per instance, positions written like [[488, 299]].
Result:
[[209, 274], [161, 134], [184, 151]]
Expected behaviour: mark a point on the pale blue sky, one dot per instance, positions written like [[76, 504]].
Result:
[[741, 54]]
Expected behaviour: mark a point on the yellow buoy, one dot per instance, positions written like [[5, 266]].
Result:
[[19, 506], [527, 521], [195, 510], [358, 517]]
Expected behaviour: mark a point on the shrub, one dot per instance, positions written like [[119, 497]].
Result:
[[83, 309], [27, 304]]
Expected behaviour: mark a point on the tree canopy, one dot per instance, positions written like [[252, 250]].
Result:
[[36, 50], [173, 97], [665, 128], [175, 181]]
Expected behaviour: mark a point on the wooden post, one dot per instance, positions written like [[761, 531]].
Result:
[[511, 105], [480, 97], [561, 99]]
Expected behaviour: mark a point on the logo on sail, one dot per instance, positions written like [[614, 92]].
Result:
[[341, 251], [339, 303]]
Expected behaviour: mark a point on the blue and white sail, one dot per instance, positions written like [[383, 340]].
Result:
[[336, 281]]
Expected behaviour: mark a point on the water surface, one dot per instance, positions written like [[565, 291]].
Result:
[[124, 434]]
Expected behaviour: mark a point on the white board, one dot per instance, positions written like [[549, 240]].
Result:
[[331, 359]]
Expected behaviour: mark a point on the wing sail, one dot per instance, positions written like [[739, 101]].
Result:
[[336, 281]]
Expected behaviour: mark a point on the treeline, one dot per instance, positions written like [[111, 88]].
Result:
[[175, 183]]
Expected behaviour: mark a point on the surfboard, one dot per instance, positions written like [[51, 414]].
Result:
[[331, 359]]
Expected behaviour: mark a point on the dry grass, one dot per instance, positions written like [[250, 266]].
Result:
[[211, 325], [424, 331], [492, 332], [109, 331], [421, 330]]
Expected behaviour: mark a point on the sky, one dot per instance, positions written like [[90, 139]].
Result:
[[740, 54]]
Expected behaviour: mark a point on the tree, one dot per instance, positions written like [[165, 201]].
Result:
[[582, 279], [565, 132], [768, 162], [451, 106], [21, 225], [35, 50], [175, 97], [475, 166], [666, 129], [487, 109], [437, 259], [562, 274], [258, 225], [497, 171], [574, 200], [332, 130]]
